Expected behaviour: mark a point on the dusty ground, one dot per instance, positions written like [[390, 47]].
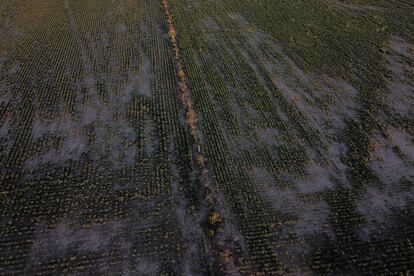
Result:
[[284, 146]]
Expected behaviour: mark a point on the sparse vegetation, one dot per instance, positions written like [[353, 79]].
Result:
[[189, 137]]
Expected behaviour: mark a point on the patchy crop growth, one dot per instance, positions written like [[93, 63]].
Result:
[[189, 137]]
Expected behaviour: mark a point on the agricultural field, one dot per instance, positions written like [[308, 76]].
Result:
[[206, 137]]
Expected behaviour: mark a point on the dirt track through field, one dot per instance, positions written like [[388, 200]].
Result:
[[218, 238]]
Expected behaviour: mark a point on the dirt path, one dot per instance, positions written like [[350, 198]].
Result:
[[212, 217]]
